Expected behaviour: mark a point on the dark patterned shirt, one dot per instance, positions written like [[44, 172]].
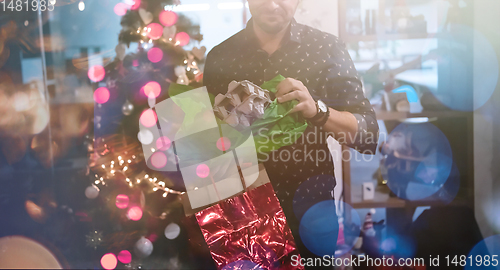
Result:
[[321, 62]]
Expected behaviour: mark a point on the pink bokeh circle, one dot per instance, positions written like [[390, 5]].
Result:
[[223, 144], [155, 55], [202, 171], [96, 73], [158, 160], [120, 9], [124, 256], [108, 261], [155, 31], [134, 213], [163, 143], [101, 95], [183, 38], [168, 18], [152, 89], [148, 118], [122, 201], [136, 5]]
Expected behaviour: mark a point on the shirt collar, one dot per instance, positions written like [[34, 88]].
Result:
[[295, 31], [294, 34]]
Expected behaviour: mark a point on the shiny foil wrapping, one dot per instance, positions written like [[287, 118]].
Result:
[[249, 231]]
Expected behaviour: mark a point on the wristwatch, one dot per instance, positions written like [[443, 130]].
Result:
[[321, 116]]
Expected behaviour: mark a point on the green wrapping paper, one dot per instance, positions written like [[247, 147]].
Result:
[[277, 128]]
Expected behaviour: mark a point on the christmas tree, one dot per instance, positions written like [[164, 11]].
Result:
[[118, 213], [136, 212]]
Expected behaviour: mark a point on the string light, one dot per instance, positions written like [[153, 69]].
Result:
[[117, 166]]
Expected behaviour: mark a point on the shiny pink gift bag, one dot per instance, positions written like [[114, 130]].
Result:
[[249, 231]]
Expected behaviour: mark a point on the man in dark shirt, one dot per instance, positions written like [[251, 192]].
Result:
[[318, 72]]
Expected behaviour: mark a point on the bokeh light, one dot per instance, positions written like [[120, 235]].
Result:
[[101, 95], [120, 9], [158, 160], [449, 190], [314, 206], [96, 73], [312, 191], [22, 102], [418, 160], [202, 171], [397, 246], [182, 38], [155, 55], [168, 18], [124, 256], [136, 5], [152, 89], [148, 118], [468, 68], [134, 213], [108, 261], [155, 31], [145, 136], [152, 237], [92, 192], [223, 144], [482, 254], [351, 228], [172, 231], [319, 228], [163, 143], [122, 201]]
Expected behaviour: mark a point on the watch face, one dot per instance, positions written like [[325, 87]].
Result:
[[322, 106]]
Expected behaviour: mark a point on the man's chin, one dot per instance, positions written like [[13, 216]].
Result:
[[271, 28]]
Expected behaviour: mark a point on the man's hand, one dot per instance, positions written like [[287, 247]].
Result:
[[290, 89]]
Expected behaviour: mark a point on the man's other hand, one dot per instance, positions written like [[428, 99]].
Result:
[[290, 89]]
